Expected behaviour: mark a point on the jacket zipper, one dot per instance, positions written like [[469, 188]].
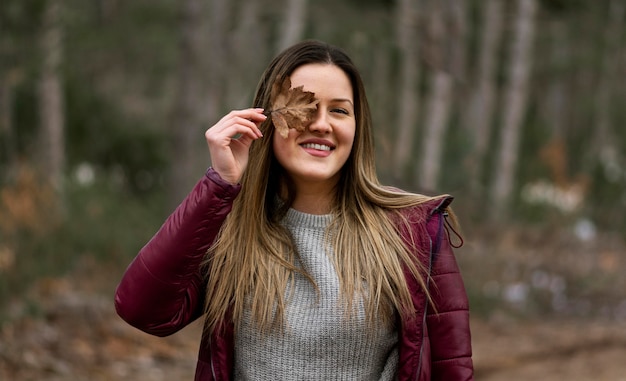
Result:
[[419, 365], [430, 268]]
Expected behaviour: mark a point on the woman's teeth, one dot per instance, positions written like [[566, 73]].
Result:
[[317, 146]]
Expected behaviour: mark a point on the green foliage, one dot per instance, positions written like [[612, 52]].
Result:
[[101, 222], [482, 305], [609, 196], [136, 37], [19, 20], [26, 117], [562, 6], [373, 3], [99, 133]]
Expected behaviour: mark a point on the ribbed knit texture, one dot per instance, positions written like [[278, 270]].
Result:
[[319, 342]]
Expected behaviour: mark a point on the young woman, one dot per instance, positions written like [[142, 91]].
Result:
[[302, 264]]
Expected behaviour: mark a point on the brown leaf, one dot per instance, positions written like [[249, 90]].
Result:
[[291, 108]]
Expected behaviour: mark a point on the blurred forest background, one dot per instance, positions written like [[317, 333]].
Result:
[[516, 107]]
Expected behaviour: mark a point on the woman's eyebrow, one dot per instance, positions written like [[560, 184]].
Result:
[[342, 100]]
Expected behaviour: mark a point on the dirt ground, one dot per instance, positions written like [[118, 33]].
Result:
[[548, 351], [67, 330]]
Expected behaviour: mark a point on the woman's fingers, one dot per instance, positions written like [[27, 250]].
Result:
[[239, 122], [229, 141]]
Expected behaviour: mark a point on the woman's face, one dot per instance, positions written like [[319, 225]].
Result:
[[316, 155]]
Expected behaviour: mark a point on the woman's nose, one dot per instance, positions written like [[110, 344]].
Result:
[[320, 123]]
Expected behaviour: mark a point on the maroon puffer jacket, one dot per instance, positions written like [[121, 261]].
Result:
[[162, 290]]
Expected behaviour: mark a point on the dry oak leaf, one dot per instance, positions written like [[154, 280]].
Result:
[[291, 108]]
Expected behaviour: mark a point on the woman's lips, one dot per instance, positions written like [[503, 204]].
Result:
[[317, 149], [320, 147]]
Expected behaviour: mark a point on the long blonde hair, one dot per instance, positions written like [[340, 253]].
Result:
[[253, 257]]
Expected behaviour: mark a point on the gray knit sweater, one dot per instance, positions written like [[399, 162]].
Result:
[[319, 343]]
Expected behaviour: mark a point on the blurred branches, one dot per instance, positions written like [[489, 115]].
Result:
[[449, 87]]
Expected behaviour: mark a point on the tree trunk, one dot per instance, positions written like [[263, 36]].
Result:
[[604, 145], [293, 24], [434, 130], [557, 97], [459, 31], [378, 95], [248, 40], [440, 100], [515, 98], [554, 153], [186, 127], [217, 62], [482, 101], [7, 139], [408, 102], [51, 104]]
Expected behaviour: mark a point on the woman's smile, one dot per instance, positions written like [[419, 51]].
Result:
[[318, 147]]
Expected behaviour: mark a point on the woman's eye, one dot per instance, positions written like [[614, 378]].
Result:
[[341, 111]]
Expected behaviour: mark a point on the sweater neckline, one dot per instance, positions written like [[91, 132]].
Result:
[[297, 218]]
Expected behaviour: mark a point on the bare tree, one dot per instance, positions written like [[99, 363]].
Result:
[[556, 94], [51, 104], [515, 99], [217, 61], [554, 153], [293, 24], [7, 82], [7, 129], [247, 40], [186, 126], [482, 101], [408, 102], [605, 146], [383, 111], [458, 25], [442, 81]]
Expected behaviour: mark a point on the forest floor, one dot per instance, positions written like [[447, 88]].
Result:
[[66, 329]]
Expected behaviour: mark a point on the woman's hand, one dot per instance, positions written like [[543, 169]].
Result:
[[229, 141]]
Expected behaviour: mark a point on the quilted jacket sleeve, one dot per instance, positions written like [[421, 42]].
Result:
[[448, 322], [162, 290]]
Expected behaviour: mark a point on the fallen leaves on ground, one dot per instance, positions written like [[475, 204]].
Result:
[[67, 329], [60, 332]]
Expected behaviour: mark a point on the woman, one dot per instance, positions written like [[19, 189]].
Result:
[[303, 265]]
